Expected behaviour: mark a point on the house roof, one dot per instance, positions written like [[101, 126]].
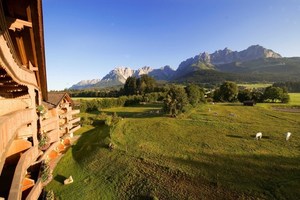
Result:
[[54, 99]]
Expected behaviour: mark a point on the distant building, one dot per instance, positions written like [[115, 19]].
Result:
[[35, 127]]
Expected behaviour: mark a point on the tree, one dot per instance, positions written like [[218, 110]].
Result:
[[217, 95], [244, 95], [145, 84], [257, 95], [276, 94], [195, 94], [285, 98], [130, 87], [175, 100], [228, 91], [273, 93], [141, 85]]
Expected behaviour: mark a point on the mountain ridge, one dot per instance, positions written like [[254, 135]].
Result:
[[254, 60]]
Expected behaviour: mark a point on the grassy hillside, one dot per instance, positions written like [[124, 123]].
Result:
[[208, 153]]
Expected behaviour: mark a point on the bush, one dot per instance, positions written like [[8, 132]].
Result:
[[285, 98], [50, 195], [45, 172]]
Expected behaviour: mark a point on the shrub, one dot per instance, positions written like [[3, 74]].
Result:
[[50, 195], [45, 172], [43, 140]]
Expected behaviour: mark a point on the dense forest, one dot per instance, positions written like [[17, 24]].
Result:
[[290, 86]]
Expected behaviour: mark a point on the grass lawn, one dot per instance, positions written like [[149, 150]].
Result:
[[255, 85], [90, 98], [208, 153], [295, 98]]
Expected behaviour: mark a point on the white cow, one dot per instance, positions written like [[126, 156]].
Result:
[[258, 135], [288, 135]]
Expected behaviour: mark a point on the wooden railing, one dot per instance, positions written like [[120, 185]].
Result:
[[35, 191], [49, 124], [75, 129], [25, 161], [19, 74], [48, 151], [53, 135], [75, 120], [74, 112], [9, 124]]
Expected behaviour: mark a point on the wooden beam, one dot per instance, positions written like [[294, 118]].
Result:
[[21, 47], [37, 24], [17, 24], [33, 68]]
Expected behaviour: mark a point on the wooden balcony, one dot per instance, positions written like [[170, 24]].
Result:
[[50, 124], [53, 135], [74, 112], [75, 129], [14, 69], [9, 124], [35, 191], [18, 146], [25, 131], [49, 121], [46, 154], [75, 120], [65, 105], [27, 183], [25, 161]]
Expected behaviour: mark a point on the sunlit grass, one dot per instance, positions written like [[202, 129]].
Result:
[[213, 145], [295, 98], [255, 85]]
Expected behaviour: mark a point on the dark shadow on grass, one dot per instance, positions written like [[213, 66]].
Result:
[[60, 178], [266, 176], [232, 104], [143, 197], [146, 114], [234, 136], [90, 142]]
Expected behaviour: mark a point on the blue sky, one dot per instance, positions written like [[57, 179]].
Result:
[[85, 39]]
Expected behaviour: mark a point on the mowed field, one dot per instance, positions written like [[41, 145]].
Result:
[[208, 153]]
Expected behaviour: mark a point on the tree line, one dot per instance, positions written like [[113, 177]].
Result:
[[229, 92], [99, 104], [177, 98], [289, 86]]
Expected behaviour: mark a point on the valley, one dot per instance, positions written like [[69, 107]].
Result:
[[207, 153]]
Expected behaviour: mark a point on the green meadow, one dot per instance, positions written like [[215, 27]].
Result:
[[295, 98], [208, 153], [89, 98], [255, 85]]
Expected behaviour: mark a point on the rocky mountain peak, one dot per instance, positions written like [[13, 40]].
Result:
[[207, 61], [143, 70], [202, 61]]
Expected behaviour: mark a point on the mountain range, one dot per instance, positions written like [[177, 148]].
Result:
[[255, 63], [119, 75]]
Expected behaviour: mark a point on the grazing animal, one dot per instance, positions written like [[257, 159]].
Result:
[[258, 135], [288, 135]]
